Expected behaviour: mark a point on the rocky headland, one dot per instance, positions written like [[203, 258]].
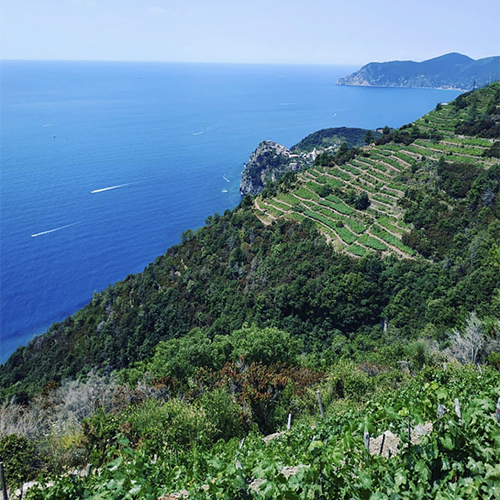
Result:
[[268, 163], [271, 161], [451, 72]]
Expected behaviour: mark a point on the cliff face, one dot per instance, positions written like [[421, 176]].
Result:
[[269, 162], [451, 71]]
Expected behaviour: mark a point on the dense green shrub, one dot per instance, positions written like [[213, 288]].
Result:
[[171, 425], [494, 360], [100, 433], [180, 358], [20, 459], [349, 381], [266, 345], [223, 413]]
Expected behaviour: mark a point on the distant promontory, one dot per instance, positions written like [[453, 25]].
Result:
[[271, 161], [451, 72]]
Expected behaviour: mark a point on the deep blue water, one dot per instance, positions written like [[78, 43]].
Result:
[[166, 135]]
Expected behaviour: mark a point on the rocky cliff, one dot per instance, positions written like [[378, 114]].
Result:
[[269, 162], [450, 71]]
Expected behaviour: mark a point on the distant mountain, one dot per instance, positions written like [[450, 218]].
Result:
[[452, 71]]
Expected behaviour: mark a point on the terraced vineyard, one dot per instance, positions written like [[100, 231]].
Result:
[[383, 172]]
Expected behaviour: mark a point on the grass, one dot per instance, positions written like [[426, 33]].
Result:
[[305, 193], [393, 163], [383, 199], [358, 164], [406, 158], [327, 213], [447, 148], [391, 147], [289, 198], [357, 250], [351, 168], [470, 141], [371, 242], [385, 222], [354, 225], [390, 239], [341, 174], [346, 235], [336, 225], [295, 216], [339, 205], [373, 164], [274, 211], [417, 151], [276, 204], [380, 175]]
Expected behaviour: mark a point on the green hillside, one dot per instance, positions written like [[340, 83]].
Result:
[[449, 71], [372, 278], [421, 193], [325, 138], [435, 153]]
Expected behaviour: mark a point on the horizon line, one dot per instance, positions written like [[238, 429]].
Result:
[[247, 63], [8, 59]]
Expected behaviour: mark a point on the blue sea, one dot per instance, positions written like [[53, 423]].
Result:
[[104, 165]]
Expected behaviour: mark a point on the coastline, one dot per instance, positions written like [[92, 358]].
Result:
[[368, 85]]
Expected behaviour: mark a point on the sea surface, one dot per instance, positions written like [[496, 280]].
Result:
[[105, 165]]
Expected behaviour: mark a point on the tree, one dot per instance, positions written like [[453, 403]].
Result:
[[466, 345], [181, 357], [369, 138], [362, 202], [266, 346], [187, 235], [343, 148], [324, 191]]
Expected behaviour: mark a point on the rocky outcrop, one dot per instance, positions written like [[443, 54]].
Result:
[[451, 71], [269, 162]]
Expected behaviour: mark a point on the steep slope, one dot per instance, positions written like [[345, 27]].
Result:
[[360, 201], [450, 71], [268, 163], [421, 205]]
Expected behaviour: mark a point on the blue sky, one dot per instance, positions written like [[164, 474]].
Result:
[[249, 31]]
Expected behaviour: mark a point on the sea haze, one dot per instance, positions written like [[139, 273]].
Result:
[[105, 165]]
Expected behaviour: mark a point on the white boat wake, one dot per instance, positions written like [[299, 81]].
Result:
[[198, 133], [53, 230], [224, 177], [109, 188]]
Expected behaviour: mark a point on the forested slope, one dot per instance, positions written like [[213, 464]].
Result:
[[412, 243], [371, 282]]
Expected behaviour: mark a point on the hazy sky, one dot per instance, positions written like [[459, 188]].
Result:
[[248, 31]]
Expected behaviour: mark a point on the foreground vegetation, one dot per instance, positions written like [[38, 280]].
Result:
[[156, 444], [372, 278]]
